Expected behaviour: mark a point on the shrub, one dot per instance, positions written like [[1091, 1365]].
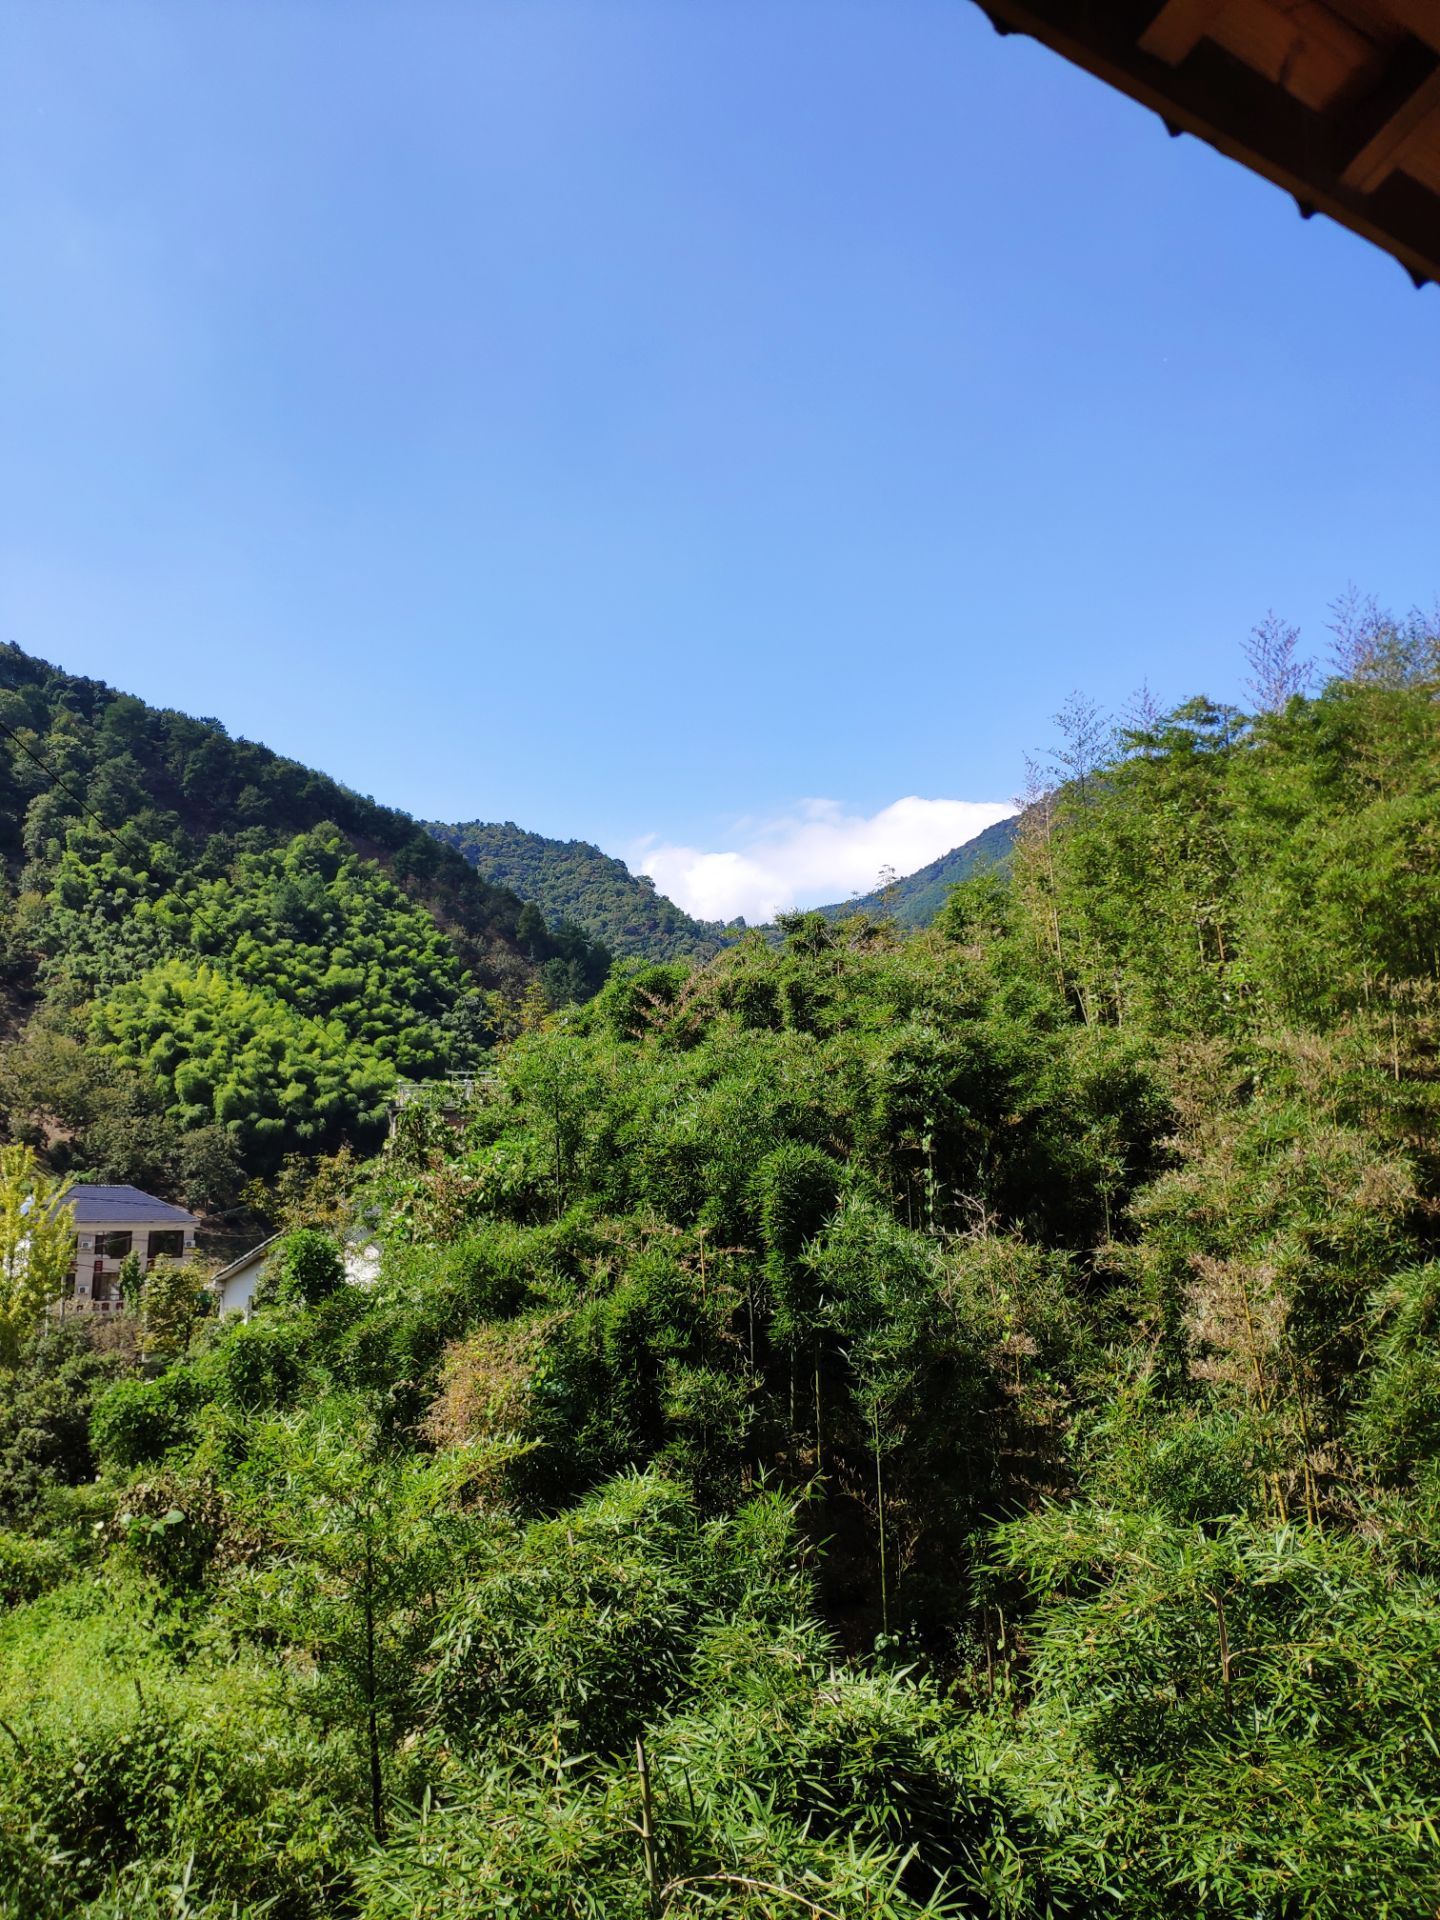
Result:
[[309, 1267], [45, 1405], [137, 1422], [257, 1364], [125, 1758]]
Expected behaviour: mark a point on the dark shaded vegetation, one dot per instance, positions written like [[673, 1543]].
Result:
[[883, 1425]]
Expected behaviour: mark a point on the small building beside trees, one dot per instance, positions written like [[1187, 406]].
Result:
[[303, 1264], [234, 1286]]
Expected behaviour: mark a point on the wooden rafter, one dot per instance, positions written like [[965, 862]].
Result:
[[1418, 17], [1332, 102], [1179, 27], [1417, 114]]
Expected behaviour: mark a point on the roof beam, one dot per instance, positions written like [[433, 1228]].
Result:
[[1179, 27], [1386, 148], [1230, 106], [1420, 17]]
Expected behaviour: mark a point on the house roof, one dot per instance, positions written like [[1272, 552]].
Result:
[[1336, 101], [245, 1260], [95, 1206]]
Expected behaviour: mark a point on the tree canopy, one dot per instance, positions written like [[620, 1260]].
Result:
[[574, 883]]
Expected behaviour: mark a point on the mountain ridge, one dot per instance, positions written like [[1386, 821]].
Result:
[[914, 899], [213, 957], [82, 755], [575, 881]]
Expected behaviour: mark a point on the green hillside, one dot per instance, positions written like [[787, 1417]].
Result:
[[941, 1427], [915, 900], [212, 956], [571, 880]]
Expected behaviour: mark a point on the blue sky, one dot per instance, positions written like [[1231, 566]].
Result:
[[696, 427]]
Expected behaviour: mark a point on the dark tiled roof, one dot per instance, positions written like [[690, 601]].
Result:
[[123, 1207]]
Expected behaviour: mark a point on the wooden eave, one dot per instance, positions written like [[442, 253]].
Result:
[[1336, 101]]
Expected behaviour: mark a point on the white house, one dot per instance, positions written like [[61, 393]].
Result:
[[111, 1222], [235, 1285]]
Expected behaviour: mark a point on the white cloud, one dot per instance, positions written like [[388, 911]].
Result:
[[817, 854]]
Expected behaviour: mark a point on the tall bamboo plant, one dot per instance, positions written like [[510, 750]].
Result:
[[37, 1236]]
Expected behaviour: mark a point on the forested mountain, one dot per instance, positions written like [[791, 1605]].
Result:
[[213, 956], [571, 880], [930, 1427], [915, 899]]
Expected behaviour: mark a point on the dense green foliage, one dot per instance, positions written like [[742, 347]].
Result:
[[279, 1000], [914, 899], [321, 929], [574, 883], [258, 952], [884, 1425]]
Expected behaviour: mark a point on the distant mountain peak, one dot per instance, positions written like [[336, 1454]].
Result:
[[916, 899], [573, 880]]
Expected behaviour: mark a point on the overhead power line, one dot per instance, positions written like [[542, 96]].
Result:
[[69, 791]]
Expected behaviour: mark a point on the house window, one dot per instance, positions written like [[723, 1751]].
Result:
[[114, 1246], [167, 1241]]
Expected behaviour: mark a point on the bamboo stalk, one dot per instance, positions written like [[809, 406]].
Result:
[[1219, 1605], [758, 1886], [880, 1515], [647, 1828]]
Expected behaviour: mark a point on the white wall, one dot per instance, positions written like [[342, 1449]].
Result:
[[238, 1291]]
